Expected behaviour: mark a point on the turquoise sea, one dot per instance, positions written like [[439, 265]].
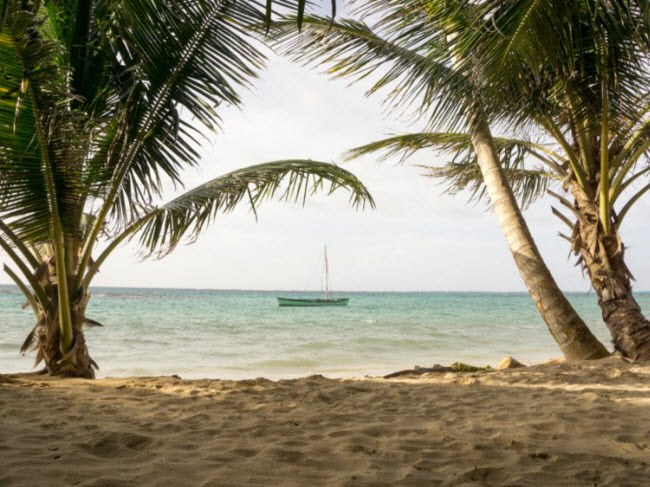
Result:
[[244, 334]]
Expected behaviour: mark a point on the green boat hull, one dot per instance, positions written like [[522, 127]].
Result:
[[313, 302]]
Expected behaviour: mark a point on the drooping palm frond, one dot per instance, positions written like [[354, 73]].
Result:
[[450, 142], [462, 172], [527, 185], [289, 180], [442, 29], [408, 144], [172, 65], [41, 152], [422, 82]]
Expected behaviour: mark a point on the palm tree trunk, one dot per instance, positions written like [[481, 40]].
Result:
[[603, 258], [76, 362], [73, 361], [571, 333]]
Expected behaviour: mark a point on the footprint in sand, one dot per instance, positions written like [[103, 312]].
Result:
[[120, 445]]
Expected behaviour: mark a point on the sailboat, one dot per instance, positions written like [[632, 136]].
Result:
[[328, 301]]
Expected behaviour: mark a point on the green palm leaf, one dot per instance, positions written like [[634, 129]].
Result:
[[289, 180], [423, 82], [187, 57], [41, 146], [557, 51], [173, 65], [462, 173], [527, 185]]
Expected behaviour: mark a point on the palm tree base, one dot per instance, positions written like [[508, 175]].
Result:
[[629, 328], [75, 363]]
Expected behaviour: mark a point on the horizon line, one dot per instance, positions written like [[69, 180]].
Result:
[[320, 291]]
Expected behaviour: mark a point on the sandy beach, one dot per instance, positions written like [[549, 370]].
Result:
[[552, 424]]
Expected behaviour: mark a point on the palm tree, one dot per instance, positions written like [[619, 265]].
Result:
[[585, 89], [101, 103], [590, 79], [410, 54]]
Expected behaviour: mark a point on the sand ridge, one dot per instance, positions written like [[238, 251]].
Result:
[[554, 424]]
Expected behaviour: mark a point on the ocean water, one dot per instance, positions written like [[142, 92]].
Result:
[[244, 334]]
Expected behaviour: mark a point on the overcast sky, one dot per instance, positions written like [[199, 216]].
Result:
[[416, 239]]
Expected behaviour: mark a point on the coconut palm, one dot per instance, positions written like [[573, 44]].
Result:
[[583, 93], [590, 82], [101, 104], [411, 59]]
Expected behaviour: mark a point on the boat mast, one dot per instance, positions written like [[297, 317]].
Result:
[[327, 277]]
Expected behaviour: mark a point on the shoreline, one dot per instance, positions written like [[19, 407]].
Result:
[[272, 376], [569, 423]]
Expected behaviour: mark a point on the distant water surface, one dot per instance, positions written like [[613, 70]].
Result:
[[244, 334]]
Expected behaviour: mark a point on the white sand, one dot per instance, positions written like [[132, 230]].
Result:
[[580, 424]]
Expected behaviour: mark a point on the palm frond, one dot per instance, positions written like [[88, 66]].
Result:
[[41, 147], [289, 180], [462, 172], [177, 58], [558, 53], [167, 59], [449, 142], [299, 6], [527, 185], [424, 83], [408, 144]]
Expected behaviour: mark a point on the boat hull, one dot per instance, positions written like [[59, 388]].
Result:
[[313, 302]]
